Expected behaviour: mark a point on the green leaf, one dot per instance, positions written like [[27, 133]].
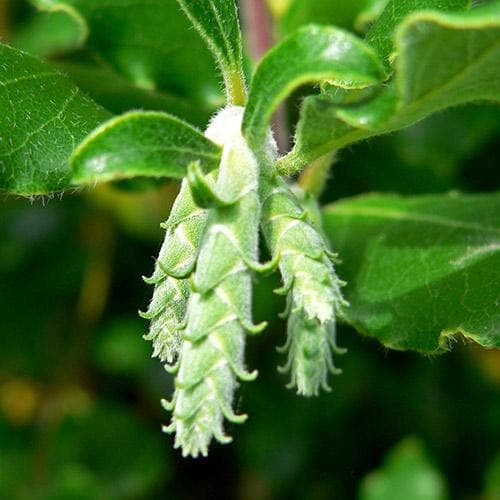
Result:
[[312, 54], [369, 14], [118, 95], [381, 35], [217, 22], [43, 117], [428, 157], [443, 60], [119, 348], [406, 473], [54, 32], [293, 14], [149, 43], [420, 269], [142, 143]]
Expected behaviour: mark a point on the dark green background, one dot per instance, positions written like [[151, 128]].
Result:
[[79, 394]]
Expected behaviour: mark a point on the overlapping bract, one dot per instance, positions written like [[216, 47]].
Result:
[[219, 310], [203, 319], [167, 310], [313, 290]]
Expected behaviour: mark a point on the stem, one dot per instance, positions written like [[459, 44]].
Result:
[[258, 28], [235, 88], [315, 176]]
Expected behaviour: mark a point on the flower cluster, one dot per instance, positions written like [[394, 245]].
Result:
[[201, 308]]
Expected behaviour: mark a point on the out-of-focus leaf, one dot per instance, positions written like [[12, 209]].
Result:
[[448, 138], [142, 143], [428, 157], [420, 270], [139, 213], [295, 13], [44, 116], [53, 32], [217, 22], [120, 348], [381, 36], [493, 479], [406, 473], [443, 60], [118, 95], [312, 54], [151, 44]]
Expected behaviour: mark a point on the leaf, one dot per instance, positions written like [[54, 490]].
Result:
[[443, 60], [217, 22], [369, 14], [406, 473], [381, 35], [149, 43], [54, 32], [118, 95], [312, 54], [119, 349], [43, 117], [293, 14], [142, 143], [428, 157], [420, 270]]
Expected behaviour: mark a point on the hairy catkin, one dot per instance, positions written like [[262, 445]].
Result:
[[219, 309], [313, 290], [178, 254]]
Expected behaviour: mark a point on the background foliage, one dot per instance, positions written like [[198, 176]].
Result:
[[79, 394]]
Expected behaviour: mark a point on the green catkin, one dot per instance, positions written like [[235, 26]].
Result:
[[178, 254], [219, 310], [201, 306], [313, 290]]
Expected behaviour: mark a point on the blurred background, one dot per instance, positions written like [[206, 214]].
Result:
[[80, 412]]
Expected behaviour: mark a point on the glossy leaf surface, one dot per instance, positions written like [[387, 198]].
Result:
[[443, 60], [312, 54], [142, 144]]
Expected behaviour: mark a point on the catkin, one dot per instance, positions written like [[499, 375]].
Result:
[[313, 290], [178, 254], [219, 309]]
